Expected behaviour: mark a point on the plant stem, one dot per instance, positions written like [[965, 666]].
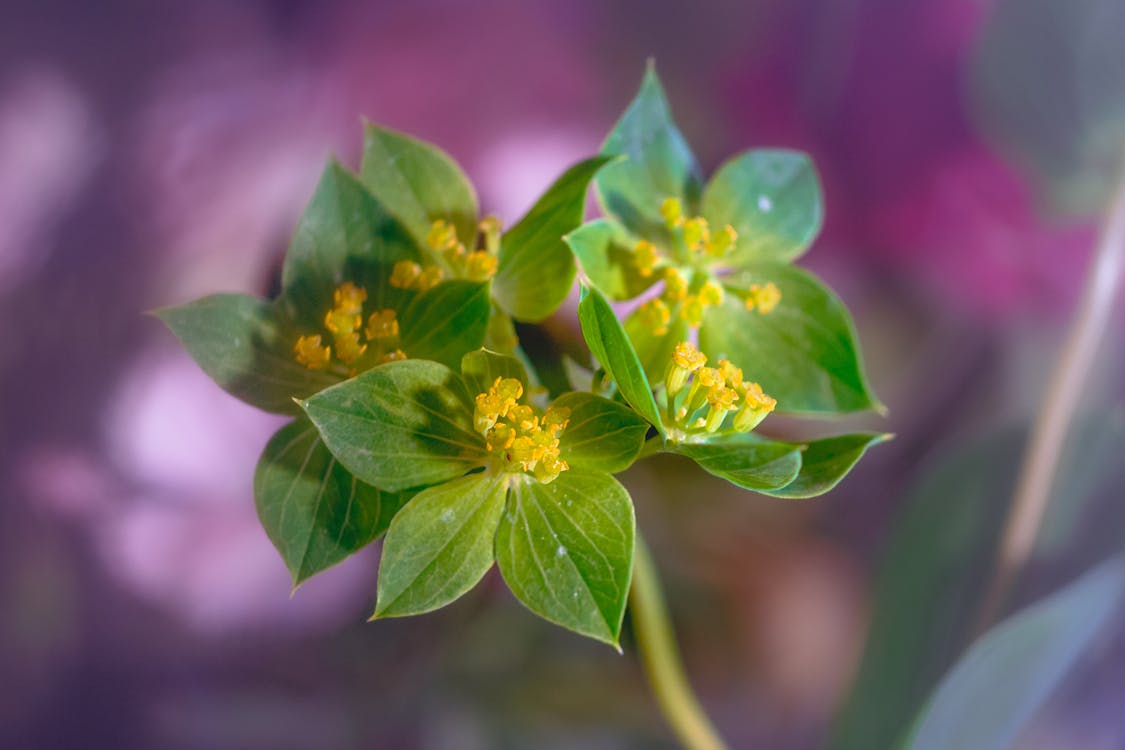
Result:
[[1040, 460], [661, 658]]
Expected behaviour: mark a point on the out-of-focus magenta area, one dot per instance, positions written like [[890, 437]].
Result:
[[151, 153]]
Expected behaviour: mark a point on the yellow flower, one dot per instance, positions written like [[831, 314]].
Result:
[[404, 274], [480, 266], [311, 353], [382, 324], [686, 359], [675, 285], [764, 298], [672, 212], [756, 405], [645, 257], [655, 316], [430, 277]]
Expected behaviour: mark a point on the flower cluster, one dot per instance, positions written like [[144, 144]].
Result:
[[350, 339], [474, 265], [689, 289], [720, 390], [523, 440]]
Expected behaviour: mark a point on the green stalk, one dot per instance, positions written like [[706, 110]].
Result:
[[661, 659]]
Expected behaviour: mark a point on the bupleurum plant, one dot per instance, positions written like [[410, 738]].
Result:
[[416, 412]]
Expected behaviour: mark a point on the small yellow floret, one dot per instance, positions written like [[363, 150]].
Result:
[[673, 212], [696, 233], [732, 375], [522, 439], [756, 406], [442, 235], [348, 348], [404, 274], [645, 257], [692, 310], [349, 298], [686, 359], [722, 242], [675, 285], [655, 316], [430, 277], [311, 353], [395, 355], [480, 266], [763, 297], [710, 294], [382, 324]]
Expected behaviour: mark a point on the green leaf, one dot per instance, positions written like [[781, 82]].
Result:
[[400, 425], [440, 545], [825, 462], [746, 461], [608, 342], [481, 368], [805, 353], [536, 268], [445, 322], [314, 511], [1000, 683], [772, 199], [605, 251], [418, 183], [241, 344], [655, 350], [344, 235], [566, 551], [928, 587], [602, 435], [659, 164]]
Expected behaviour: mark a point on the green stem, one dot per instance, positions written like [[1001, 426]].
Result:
[[661, 658]]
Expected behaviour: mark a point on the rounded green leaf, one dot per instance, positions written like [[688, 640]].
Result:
[[536, 269], [805, 352], [246, 347], [418, 183], [746, 461], [659, 164], [344, 235], [772, 199], [440, 545], [312, 509], [602, 435], [1003, 679], [481, 368], [608, 342], [445, 322], [825, 462], [605, 252], [566, 551], [400, 425]]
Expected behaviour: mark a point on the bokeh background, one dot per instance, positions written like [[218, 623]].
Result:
[[154, 152]]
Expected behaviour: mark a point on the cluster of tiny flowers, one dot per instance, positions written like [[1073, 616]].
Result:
[[522, 439], [681, 297], [475, 265], [720, 389], [350, 338]]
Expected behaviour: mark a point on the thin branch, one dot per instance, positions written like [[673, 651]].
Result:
[[1041, 458]]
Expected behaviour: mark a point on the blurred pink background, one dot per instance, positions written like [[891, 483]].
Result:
[[151, 153]]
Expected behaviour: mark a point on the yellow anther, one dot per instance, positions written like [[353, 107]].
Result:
[[480, 266], [523, 452], [549, 467], [349, 298], [722, 242], [705, 379], [763, 297], [382, 324], [556, 418], [311, 353], [392, 356], [524, 418], [675, 285], [756, 405], [430, 277], [645, 257], [696, 233], [500, 437], [404, 274], [655, 316], [673, 212], [348, 348], [686, 359], [509, 389], [442, 235], [710, 294], [722, 401], [732, 375], [342, 322], [692, 310]]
